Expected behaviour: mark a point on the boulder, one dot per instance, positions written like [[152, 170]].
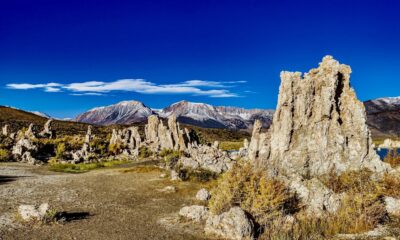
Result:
[[392, 205], [194, 213], [320, 125], [317, 198], [174, 175], [203, 195], [233, 224], [31, 212]]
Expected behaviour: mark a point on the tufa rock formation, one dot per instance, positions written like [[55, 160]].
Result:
[[319, 125], [30, 133], [390, 144], [85, 153], [258, 146], [126, 141], [160, 137], [5, 130], [47, 131]]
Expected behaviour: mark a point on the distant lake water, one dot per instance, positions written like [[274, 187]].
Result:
[[383, 152]]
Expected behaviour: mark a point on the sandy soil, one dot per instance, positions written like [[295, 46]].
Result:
[[101, 204]]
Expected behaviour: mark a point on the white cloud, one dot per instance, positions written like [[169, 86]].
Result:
[[97, 88], [87, 94], [52, 89]]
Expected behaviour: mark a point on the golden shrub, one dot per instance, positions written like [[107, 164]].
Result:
[[264, 198]]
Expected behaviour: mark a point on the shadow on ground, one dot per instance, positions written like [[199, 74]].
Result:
[[71, 216], [7, 179]]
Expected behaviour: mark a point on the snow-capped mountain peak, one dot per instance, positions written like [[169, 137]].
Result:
[[125, 112]]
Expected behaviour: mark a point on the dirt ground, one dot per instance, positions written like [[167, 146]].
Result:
[[100, 204]]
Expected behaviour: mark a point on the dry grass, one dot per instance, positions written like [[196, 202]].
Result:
[[231, 145], [143, 169], [270, 203], [392, 157], [82, 167], [350, 181], [264, 198]]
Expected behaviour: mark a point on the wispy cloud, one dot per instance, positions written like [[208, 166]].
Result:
[[97, 88]]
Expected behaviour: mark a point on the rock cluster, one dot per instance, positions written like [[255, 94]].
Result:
[[25, 148], [126, 141], [159, 136], [205, 157]]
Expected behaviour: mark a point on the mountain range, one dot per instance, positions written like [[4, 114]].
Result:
[[198, 114], [384, 116]]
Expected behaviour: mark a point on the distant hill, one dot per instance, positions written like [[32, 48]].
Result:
[[196, 114], [384, 116], [18, 119]]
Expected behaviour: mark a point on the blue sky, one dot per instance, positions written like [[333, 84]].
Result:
[[74, 55]]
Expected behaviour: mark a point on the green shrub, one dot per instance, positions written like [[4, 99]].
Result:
[[4, 155], [60, 150], [198, 175], [82, 167], [145, 152]]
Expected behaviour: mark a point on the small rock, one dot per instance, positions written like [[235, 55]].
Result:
[[392, 205], [169, 189], [203, 195], [174, 175], [233, 224], [163, 175], [29, 212], [195, 213]]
